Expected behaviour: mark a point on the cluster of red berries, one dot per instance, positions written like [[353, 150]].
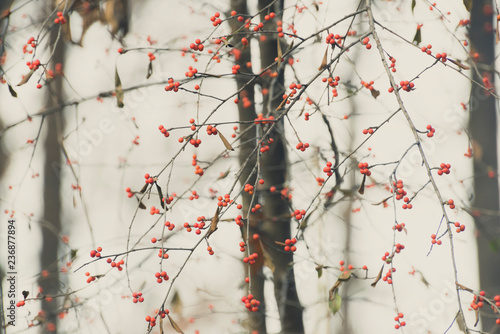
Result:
[[279, 29], [290, 245], [442, 56], [427, 49], [162, 253], [172, 85], [261, 120], [194, 195], [33, 65], [328, 169], [242, 246], [197, 45], [430, 131], [198, 170], [20, 303], [250, 259], [332, 82], [460, 227], [160, 277], [151, 320], [235, 69], [117, 265], [478, 301], [366, 43], [368, 85], [320, 181], [248, 188], [293, 86], [168, 200], [256, 208], [363, 168], [216, 19], [399, 248], [149, 179], [197, 226], [451, 203], [96, 252], [388, 275], [154, 211], [399, 227], [137, 297], [334, 39], [264, 147], [387, 258], [239, 220], [31, 42], [250, 303], [444, 169], [258, 26], [90, 279], [169, 225], [368, 131], [129, 192], [434, 241], [399, 322], [407, 86], [60, 18], [302, 146], [393, 63], [211, 130], [151, 56], [224, 201], [299, 214], [191, 72]]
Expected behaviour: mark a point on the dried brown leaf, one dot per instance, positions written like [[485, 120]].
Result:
[[12, 91], [375, 93], [160, 195], [26, 78], [280, 53], [282, 104], [459, 64], [379, 276], [118, 90], [215, 221], [280, 243], [174, 325], [324, 61], [225, 142]]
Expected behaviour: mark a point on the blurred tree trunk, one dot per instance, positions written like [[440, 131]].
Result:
[[51, 229], [273, 224], [483, 132]]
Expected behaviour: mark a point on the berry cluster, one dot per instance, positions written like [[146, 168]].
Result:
[[368, 85], [444, 169], [250, 303], [211, 130], [242, 246], [399, 227], [366, 43], [332, 82], [191, 72], [60, 18], [197, 45], [302, 146], [290, 245], [427, 49], [90, 279], [151, 56], [96, 252], [31, 42], [261, 120], [388, 275], [328, 169], [299, 214], [460, 227], [216, 19], [363, 168], [368, 131], [407, 86], [172, 85], [194, 195], [137, 297], [334, 39], [154, 211], [162, 253], [399, 322], [160, 277], [149, 179], [430, 131], [256, 208], [169, 225], [248, 188], [224, 201], [250, 259], [434, 241], [451, 203], [393, 64]]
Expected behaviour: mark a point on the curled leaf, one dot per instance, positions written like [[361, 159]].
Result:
[[150, 70], [225, 142], [118, 90], [26, 78], [418, 37], [459, 64], [160, 195], [174, 325], [12, 91], [361, 189], [335, 302], [215, 221], [375, 93], [324, 61], [379, 276]]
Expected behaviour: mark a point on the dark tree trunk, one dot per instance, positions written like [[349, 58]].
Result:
[[273, 224], [51, 229], [483, 131]]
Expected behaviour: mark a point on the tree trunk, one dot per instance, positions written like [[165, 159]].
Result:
[[273, 224], [51, 229], [483, 131]]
